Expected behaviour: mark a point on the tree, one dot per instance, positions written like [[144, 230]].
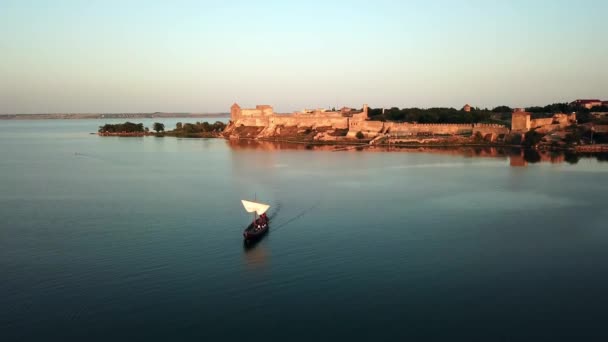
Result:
[[502, 109], [532, 138], [178, 126], [359, 135], [218, 126], [583, 115], [600, 109], [159, 127]]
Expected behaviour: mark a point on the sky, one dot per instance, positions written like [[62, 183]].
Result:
[[202, 56]]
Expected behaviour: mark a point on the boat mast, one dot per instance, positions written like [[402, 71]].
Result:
[[255, 198]]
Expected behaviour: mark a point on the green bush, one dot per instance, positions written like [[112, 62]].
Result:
[[159, 127], [127, 127], [532, 138]]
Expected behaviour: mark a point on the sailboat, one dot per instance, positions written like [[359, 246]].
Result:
[[261, 224]]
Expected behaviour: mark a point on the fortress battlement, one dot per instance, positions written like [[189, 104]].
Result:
[[269, 123]]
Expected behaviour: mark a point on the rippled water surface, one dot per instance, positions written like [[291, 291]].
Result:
[[106, 238]]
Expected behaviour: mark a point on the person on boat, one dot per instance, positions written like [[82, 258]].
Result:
[[264, 218]]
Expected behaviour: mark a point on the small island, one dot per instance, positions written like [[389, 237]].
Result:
[[182, 130]]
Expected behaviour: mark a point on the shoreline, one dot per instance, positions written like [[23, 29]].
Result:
[[344, 145]]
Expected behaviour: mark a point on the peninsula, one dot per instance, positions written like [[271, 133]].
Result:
[[557, 126], [554, 126]]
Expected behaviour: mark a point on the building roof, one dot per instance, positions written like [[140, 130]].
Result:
[[587, 100]]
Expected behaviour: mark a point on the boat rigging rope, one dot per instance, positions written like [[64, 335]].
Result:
[[298, 216]]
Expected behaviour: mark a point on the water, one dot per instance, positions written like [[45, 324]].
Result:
[[107, 238]]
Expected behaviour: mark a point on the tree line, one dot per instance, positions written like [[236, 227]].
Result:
[[180, 128], [127, 127], [499, 114], [199, 127], [432, 115]]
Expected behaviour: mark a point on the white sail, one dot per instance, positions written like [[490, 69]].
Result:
[[259, 208]]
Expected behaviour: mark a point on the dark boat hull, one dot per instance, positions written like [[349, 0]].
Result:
[[252, 234]]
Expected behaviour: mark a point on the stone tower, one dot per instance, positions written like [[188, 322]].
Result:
[[520, 120], [235, 112]]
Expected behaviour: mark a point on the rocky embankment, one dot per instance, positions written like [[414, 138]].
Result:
[[287, 133], [332, 135]]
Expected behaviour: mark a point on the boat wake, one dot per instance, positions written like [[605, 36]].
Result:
[[293, 219], [274, 227], [86, 156]]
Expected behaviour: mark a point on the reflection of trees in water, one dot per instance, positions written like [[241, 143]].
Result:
[[603, 157], [518, 156], [571, 157], [531, 156]]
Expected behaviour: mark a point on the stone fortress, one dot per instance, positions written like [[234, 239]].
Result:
[[263, 122], [521, 122], [264, 116]]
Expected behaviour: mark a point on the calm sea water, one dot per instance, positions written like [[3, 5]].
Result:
[[105, 238]]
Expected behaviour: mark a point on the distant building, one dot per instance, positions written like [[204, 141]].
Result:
[[587, 103], [466, 108]]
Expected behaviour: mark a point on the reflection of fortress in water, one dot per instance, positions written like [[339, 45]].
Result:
[[517, 157]]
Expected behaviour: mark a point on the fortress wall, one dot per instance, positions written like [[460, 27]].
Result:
[[540, 122], [490, 129], [252, 121], [251, 112], [413, 129], [366, 126], [320, 115], [309, 121], [360, 116], [369, 128], [565, 120], [267, 111], [372, 128], [548, 128]]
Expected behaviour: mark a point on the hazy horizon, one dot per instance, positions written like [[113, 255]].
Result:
[[200, 57]]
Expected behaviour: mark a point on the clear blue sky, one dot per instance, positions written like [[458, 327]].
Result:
[[201, 56]]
